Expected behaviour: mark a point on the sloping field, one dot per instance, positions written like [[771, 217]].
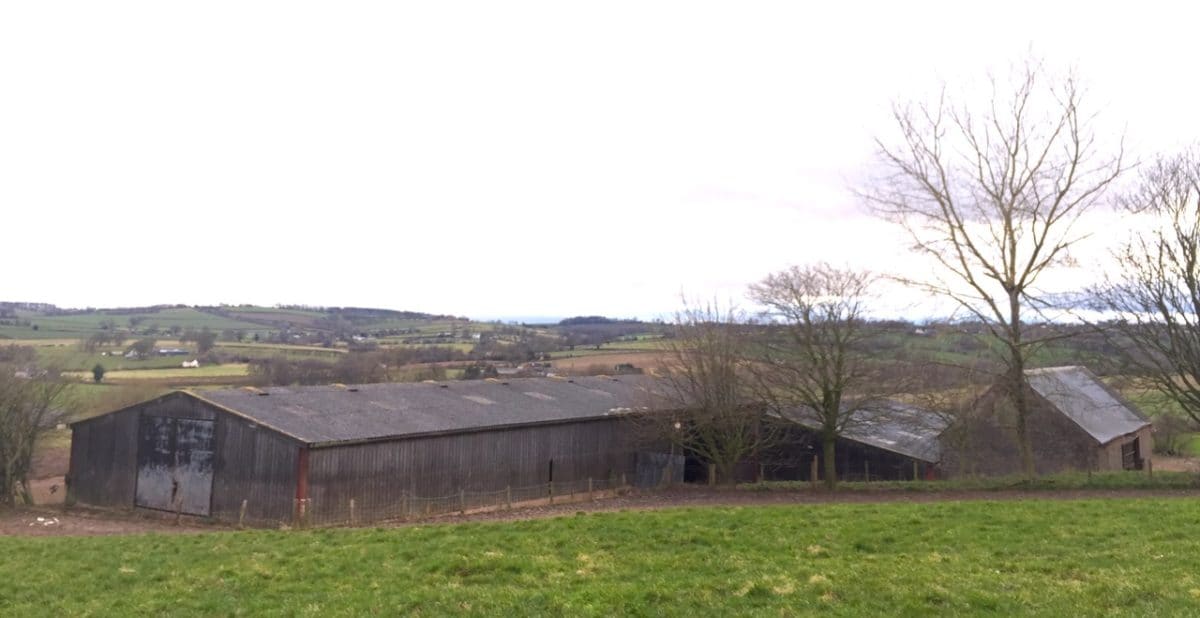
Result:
[[79, 326], [1039, 557]]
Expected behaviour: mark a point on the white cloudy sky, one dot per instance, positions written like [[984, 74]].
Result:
[[496, 158]]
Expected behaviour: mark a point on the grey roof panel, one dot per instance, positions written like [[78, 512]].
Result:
[[327, 414], [888, 425], [1083, 398]]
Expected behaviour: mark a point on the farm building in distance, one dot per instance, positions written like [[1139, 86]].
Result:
[[1077, 423], [379, 444]]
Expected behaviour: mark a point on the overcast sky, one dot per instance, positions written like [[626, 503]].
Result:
[[497, 158]]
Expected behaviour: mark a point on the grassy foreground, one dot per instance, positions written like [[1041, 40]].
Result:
[[1057, 558]]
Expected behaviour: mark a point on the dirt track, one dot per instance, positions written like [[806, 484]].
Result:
[[77, 522]]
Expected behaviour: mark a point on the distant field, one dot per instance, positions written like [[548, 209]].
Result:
[[461, 347], [208, 371], [71, 358], [608, 360], [80, 326], [259, 350], [1005, 558]]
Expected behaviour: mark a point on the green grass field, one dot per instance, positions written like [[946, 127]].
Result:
[[79, 326], [1034, 557]]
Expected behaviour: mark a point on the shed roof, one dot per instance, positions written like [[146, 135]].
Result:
[[888, 425], [1083, 398], [331, 414]]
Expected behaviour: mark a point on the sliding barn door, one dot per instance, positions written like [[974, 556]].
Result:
[[175, 464]]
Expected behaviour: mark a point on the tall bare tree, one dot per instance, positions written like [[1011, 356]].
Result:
[[811, 358], [704, 404], [28, 406], [992, 195], [1155, 291]]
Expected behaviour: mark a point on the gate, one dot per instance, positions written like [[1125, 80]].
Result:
[[175, 464]]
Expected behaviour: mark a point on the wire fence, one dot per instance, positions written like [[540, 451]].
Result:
[[313, 512]]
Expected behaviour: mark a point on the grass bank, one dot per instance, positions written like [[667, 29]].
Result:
[[1069, 480], [1054, 558]]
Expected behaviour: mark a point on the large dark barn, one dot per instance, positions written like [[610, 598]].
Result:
[[265, 454]]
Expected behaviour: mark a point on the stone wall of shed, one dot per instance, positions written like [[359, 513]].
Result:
[[378, 475], [985, 442]]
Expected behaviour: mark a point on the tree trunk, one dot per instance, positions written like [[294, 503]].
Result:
[[1021, 405], [828, 442], [26, 492], [7, 485], [725, 474], [1016, 386]]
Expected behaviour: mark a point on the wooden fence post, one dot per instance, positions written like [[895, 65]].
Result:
[[551, 490], [1150, 467], [242, 515], [813, 471], [916, 472], [761, 473], [462, 502], [591, 496], [353, 519], [624, 483], [508, 496], [867, 470], [712, 474], [404, 506]]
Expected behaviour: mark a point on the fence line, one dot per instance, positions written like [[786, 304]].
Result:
[[411, 507]]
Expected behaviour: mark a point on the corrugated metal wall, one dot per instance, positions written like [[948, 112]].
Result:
[[258, 465], [381, 473], [254, 464], [103, 465]]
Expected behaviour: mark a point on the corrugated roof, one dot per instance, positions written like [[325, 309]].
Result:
[[1083, 398], [326, 414], [888, 425]]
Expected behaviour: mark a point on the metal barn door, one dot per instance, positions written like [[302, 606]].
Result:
[[175, 464]]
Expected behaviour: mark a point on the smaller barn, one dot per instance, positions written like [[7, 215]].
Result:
[[1076, 423]]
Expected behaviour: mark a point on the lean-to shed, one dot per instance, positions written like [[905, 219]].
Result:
[[209, 453], [886, 440]]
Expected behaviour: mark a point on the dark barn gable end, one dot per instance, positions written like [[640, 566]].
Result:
[[211, 453]]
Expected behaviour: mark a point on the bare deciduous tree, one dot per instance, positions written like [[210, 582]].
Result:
[[992, 195], [1155, 291], [704, 403], [812, 356], [28, 406]]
